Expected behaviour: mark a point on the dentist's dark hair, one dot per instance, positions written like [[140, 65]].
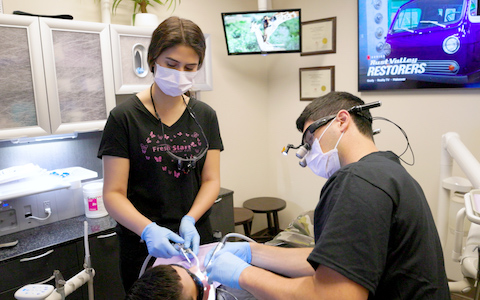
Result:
[[331, 104]]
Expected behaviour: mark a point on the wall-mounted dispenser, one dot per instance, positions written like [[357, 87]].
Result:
[[139, 57]]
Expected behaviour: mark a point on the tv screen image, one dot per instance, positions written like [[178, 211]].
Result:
[[262, 32], [418, 44]]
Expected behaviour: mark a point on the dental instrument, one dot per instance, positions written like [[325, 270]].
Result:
[[221, 244]]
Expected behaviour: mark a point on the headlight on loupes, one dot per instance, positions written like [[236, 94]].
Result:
[[301, 152], [307, 136]]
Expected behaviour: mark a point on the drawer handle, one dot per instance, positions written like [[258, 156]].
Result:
[[47, 280], [36, 257], [218, 200], [106, 235]]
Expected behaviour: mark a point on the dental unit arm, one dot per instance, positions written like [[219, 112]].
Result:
[[454, 149], [62, 288]]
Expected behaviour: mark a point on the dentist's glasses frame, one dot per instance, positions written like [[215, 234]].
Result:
[[307, 137]]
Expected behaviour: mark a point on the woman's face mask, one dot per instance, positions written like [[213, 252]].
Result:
[[323, 164], [172, 82]]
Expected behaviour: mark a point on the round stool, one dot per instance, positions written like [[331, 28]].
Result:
[[243, 216], [269, 206]]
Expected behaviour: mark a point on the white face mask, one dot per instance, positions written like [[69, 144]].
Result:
[[173, 82], [323, 164]]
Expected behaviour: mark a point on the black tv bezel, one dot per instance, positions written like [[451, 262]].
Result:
[[410, 85], [259, 12]]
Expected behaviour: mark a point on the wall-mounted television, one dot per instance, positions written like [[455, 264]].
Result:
[[418, 44], [262, 32]]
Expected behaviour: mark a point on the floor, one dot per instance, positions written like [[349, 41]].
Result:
[[468, 296]]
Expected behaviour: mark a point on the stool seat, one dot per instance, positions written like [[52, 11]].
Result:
[[269, 206], [243, 216], [265, 204]]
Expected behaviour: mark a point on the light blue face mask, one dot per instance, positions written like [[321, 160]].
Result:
[[323, 164], [173, 82]]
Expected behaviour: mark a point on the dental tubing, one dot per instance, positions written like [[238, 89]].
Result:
[[219, 247], [221, 244], [73, 284]]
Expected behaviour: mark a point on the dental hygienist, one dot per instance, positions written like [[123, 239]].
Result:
[[161, 155], [375, 237]]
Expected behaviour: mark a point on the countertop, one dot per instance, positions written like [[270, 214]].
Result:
[[61, 232], [52, 234]]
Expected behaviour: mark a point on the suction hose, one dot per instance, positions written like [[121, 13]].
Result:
[[219, 247]]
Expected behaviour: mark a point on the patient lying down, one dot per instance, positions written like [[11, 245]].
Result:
[[177, 279]]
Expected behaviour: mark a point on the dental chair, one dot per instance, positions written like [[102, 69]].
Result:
[[468, 257]]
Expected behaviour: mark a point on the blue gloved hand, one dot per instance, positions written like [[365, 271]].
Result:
[[226, 269], [241, 250], [158, 241], [190, 234]]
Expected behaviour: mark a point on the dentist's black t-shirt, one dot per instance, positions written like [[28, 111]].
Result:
[[373, 225]]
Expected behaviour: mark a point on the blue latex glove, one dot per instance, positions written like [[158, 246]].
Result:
[[158, 241], [240, 249], [190, 234], [226, 269]]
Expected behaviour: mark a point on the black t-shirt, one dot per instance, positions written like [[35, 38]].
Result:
[[155, 186], [373, 225]]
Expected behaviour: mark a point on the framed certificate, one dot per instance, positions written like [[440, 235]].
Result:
[[316, 82], [319, 36]]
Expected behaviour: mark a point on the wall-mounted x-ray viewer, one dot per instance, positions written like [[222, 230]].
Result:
[[130, 67]]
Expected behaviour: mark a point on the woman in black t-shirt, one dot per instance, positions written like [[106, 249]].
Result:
[[161, 155]]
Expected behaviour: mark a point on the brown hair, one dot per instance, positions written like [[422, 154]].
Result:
[[176, 31]]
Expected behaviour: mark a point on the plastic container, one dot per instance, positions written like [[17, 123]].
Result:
[[93, 200]]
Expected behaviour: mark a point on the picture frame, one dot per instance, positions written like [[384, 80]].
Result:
[[319, 36], [316, 82]]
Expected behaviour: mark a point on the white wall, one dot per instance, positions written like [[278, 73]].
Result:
[[425, 115], [257, 101]]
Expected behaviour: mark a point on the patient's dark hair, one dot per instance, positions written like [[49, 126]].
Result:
[[159, 282]]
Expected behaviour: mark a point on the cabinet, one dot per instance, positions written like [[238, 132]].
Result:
[[38, 267], [130, 67], [104, 252], [56, 76], [221, 215]]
